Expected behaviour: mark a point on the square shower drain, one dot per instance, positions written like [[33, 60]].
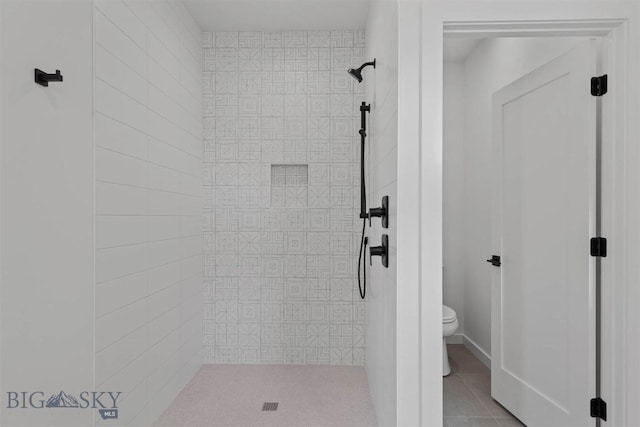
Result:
[[270, 406]]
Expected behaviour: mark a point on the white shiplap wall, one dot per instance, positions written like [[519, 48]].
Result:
[[148, 135]]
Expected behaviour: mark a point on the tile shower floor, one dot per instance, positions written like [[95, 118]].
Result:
[[467, 394], [234, 395]]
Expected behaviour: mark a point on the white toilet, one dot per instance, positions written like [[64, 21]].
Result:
[[449, 327]]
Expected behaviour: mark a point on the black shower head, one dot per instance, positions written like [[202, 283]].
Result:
[[357, 73]]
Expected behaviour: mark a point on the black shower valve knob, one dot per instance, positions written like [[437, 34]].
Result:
[[381, 212], [382, 251]]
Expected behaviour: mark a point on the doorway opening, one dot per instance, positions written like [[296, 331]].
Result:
[[519, 193]]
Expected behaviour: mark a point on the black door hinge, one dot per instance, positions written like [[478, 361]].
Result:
[[599, 85], [495, 260], [599, 246], [599, 409]]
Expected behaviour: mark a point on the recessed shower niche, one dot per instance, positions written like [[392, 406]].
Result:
[[289, 186]]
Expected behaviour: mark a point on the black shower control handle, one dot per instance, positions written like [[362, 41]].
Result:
[[382, 251], [381, 212]]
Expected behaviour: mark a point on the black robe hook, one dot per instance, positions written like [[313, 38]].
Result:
[[43, 78]]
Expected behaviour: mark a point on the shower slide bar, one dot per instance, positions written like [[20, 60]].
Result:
[[364, 109]]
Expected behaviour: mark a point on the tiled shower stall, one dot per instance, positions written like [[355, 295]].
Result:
[[187, 197], [281, 198]]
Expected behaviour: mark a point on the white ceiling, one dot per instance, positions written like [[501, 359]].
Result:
[[279, 15], [458, 48]]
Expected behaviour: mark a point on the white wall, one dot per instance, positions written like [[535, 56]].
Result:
[[453, 238], [382, 171], [47, 208], [413, 341], [148, 134]]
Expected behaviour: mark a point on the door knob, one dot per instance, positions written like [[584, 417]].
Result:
[[495, 260]]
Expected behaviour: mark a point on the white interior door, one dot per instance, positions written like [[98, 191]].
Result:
[[543, 308]]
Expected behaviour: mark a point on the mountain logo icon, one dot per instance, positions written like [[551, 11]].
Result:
[[62, 400]]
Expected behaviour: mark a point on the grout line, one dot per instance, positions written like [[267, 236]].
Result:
[[478, 398], [491, 416]]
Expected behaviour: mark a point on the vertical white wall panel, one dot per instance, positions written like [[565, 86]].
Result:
[[382, 172], [46, 264]]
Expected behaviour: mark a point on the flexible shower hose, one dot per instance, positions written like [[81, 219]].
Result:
[[362, 287]]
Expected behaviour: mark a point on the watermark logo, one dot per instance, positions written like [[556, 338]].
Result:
[[106, 402], [62, 400], [108, 414]]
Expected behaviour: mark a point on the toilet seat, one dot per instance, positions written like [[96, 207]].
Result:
[[448, 315]]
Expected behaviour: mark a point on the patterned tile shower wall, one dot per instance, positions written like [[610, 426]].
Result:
[[282, 198]]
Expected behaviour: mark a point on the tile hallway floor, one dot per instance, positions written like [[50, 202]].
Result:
[[467, 394], [233, 395]]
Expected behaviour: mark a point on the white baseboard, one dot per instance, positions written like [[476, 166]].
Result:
[[455, 339], [476, 351]]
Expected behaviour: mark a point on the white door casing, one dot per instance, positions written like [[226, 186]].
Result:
[[543, 305]]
